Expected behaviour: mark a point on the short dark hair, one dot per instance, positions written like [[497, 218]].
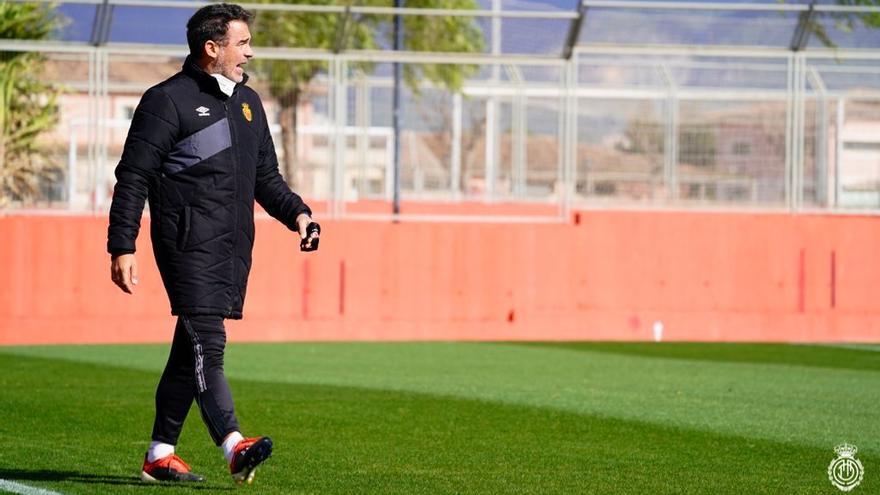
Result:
[[211, 23]]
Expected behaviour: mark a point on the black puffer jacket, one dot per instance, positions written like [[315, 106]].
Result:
[[202, 159]]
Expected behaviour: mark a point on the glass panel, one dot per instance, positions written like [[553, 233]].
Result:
[[818, 148], [540, 74], [688, 27], [534, 36], [520, 5], [846, 30], [473, 148], [619, 72], [150, 25], [620, 150], [51, 94], [730, 73], [848, 75], [859, 147], [697, 72], [732, 152], [542, 149], [78, 20], [306, 135]]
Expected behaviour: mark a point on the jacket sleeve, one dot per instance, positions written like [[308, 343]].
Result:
[[271, 191], [153, 132]]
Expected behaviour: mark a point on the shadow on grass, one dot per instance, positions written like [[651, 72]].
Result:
[[103, 479]]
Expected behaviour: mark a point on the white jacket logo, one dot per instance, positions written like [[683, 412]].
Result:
[[203, 111]]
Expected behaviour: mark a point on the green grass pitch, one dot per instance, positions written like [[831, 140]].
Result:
[[414, 418]]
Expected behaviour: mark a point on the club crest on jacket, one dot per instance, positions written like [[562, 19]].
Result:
[[246, 110]]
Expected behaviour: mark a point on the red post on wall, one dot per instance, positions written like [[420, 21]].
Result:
[[341, 287]]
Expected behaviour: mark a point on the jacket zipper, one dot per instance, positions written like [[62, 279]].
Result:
[[234, 198]]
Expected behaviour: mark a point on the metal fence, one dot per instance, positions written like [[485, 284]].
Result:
[[625, 104]]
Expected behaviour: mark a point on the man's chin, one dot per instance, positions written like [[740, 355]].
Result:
[[235, 76]]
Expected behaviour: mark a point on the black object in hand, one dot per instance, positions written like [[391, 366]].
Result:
[[310, 242]]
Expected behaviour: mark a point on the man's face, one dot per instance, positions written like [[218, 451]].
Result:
[[230, 57]]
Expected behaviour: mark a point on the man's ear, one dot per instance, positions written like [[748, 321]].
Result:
[[212, 49]]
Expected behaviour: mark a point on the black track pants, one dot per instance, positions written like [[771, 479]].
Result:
[[195, 371]]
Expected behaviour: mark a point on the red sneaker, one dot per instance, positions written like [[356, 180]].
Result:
[[168, 468], [248, 454]]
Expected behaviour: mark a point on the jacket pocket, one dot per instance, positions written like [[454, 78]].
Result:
[[183, 228]]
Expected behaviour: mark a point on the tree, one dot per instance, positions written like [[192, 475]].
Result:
[[289, 81], [28, 106], [846, 21], [643, 135]]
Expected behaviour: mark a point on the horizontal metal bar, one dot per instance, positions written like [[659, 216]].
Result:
[[450, 58], [649, 93], [555, 91], [274, 53], [725, 51], [854, 94], [517, 14], [194, 4], [728, 7], [842, 53], [521, 14], [45, 46], [145, 49], [848, 69], [552, 92], [684, 50], [635, 61], [330, 9], [278, 53], [264, 53], [867, 9], [81, 2], [737, 6]]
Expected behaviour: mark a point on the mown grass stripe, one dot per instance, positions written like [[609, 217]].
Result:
[[750, 399]]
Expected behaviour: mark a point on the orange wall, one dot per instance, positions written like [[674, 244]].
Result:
[[608, 275]]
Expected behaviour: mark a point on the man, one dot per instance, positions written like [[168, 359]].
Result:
[[199, 147]]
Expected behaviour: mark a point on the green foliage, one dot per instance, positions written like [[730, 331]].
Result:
[[867, 19], [646, 136], [28, 106], [367, 32], [301, 30], [845, 21], [643, 136], [289, 81], [441, 34], [27, 21]]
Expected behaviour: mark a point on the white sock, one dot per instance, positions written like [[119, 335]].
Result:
[[159, 450], [229, 444]]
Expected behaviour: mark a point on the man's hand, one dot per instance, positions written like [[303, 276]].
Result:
[[309, 231], [124, 272]]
